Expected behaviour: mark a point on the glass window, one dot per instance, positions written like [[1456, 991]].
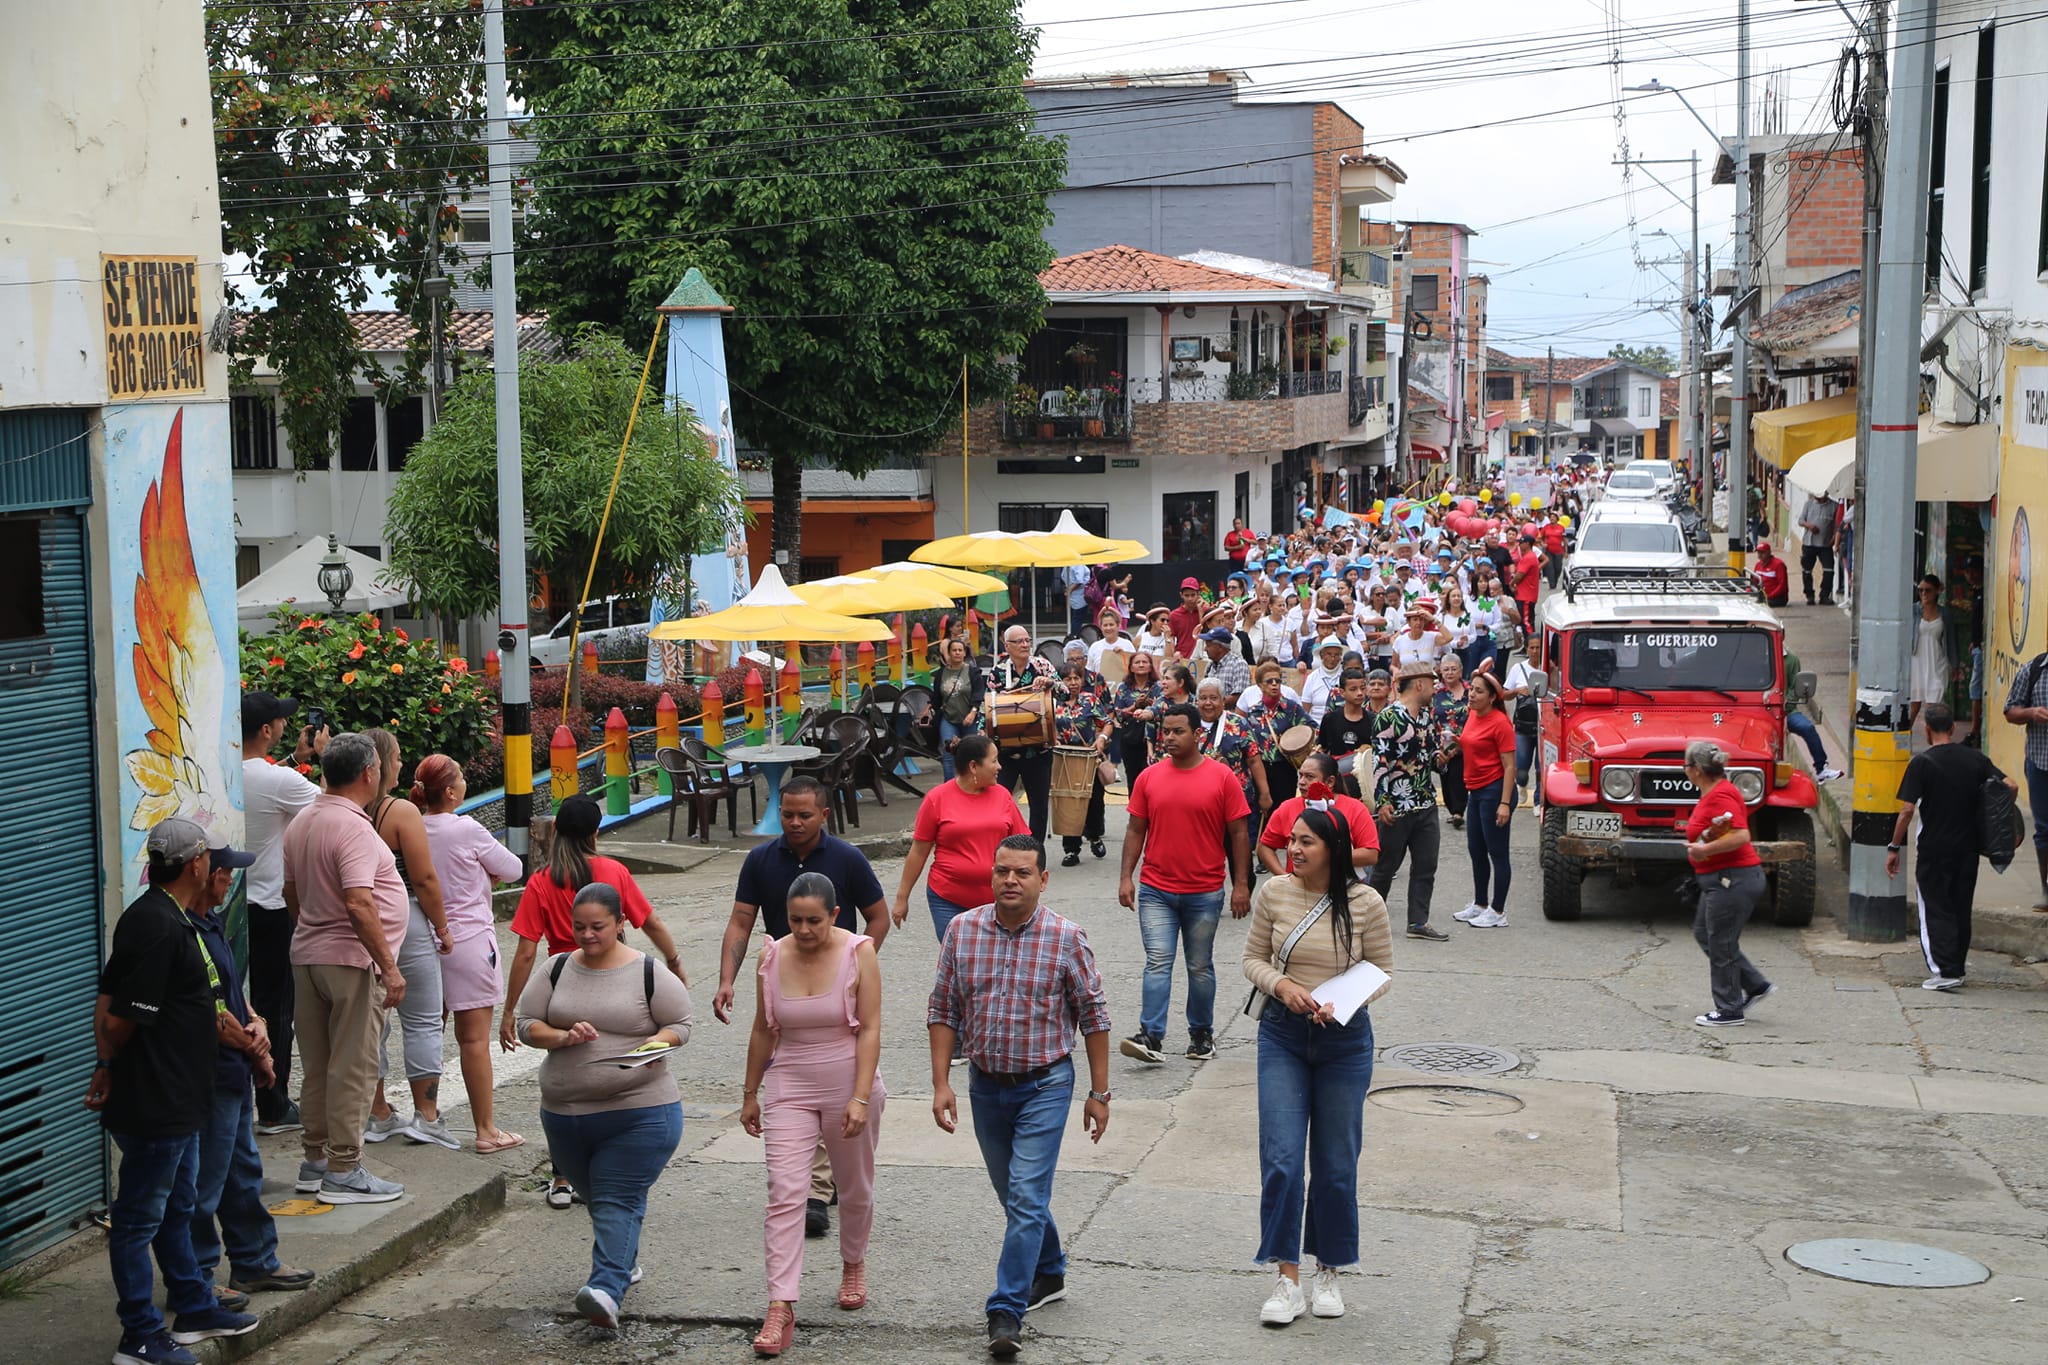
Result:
[[1980, 160], [1632, 538], [359, 436], [252, 432], [1188, 526], [1674, 659], [1422, 294]]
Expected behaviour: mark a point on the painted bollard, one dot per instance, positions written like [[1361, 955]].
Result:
[[492, 667], [713, 701], [562, 782], [668, 734], [589, 658], [618, 763], [756, 695], [864, 665], [838, 677], [920, 652]]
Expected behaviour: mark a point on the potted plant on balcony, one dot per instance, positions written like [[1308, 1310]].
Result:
[[1111, 405], [1083, 354], [1021, 407], [1334, 346]]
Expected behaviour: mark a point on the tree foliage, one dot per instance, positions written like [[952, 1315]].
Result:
[[859, 180], [673, 500], [1649, 357], [339, 128]]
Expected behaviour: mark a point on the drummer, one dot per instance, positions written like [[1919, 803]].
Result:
[[1029, 766], [1269, 720], [1081, 720]]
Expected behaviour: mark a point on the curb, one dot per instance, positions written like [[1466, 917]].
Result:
[[295, 1311]]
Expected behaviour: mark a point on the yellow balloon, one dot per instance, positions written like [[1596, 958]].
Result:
[[1486, 495], [1565, 522], [1379, 504], [1536, 503], [1443, 499], [1514, 499]]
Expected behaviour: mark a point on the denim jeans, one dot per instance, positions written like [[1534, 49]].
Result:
[[1193, 916], [152, 1211], [1019, 1128], [2037, 803], [1312, 1084], [948, 732], [231, 1188], [1525, 759], [943, 911], [1487, 842], [1801, 724], [613, 1159]]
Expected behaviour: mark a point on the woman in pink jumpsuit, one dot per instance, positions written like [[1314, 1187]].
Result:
[[818, 1019]]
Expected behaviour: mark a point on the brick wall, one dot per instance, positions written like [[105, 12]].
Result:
[[1824, 194], [1252, 427], [1336, 133]]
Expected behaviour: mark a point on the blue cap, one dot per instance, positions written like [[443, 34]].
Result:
[[1218, 636]]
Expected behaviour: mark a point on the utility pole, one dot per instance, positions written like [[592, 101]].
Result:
[[1703, 380], [516, 695], [1872, 120], [1745, 274], [1549, 404], [1878, 910]]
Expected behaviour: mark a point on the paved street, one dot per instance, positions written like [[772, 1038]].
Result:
[[1626, 1193]]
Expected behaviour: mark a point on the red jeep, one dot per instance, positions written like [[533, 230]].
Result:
[[1641, 665]]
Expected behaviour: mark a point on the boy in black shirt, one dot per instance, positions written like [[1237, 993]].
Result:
[[1944, 784], [1347, 728]]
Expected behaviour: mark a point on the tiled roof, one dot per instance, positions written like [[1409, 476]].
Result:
[[1811, 314], [1668, 396], [1568, 367], [383, 329], [1127, 270]]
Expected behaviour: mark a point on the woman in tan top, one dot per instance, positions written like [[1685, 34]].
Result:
[[1313, 1071], [611, 1128]]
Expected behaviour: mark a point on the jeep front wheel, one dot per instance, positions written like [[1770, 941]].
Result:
[[1562, 873], [1792, 883]]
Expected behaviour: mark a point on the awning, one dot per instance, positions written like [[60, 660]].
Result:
[[296, 578], [1956, 464], [1495, 420], [1782, 435]]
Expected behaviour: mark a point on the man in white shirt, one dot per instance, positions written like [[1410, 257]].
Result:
[[1324, 680], [272, 793]]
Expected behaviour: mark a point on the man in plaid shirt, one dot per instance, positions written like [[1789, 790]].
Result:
[[1015, 983]]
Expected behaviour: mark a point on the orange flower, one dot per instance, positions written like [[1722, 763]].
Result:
[[458, 665], [398, 668], [446, 689], [402, 636], [357, 652], [348, 677], [310, 623], [276, 661]]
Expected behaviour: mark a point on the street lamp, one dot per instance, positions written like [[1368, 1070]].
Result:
[[336, 577], [1654, 87]]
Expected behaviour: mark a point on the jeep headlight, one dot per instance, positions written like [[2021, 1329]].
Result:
[[1750, 783], [1618, 784]]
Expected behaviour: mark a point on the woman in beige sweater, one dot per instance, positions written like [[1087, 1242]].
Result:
[[1313, 1071]]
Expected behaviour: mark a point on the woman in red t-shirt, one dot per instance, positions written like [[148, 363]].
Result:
[[1731, 881], [960, 822], [1486, 747]]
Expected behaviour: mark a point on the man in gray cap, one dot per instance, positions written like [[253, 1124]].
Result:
[[152, 1086], [1226, 663]]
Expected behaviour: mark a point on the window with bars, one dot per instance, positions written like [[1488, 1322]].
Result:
[[1980, 160], [1937, 186], [252, 432]]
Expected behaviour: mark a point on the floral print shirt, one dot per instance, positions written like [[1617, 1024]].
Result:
[[1080, 716], [1405, 749], [1130, 696], [1268, 723], [1228, 740], [1451, 713]]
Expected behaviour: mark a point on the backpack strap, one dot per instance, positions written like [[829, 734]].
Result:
[[560, 961], [647, 978]]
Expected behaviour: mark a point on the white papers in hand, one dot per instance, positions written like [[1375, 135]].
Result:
[[1347, 992], [639, 1056]]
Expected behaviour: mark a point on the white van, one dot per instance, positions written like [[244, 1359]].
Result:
[[1663, 471], [1620, 535]]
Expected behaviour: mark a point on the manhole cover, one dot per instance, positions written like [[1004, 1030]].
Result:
[[1445, 1101], [1903, 1265], [1451, 1059]]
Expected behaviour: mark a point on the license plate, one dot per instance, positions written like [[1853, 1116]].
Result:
[[1594, 824]]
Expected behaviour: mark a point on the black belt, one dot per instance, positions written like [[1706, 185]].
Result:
[[1010, 1079]]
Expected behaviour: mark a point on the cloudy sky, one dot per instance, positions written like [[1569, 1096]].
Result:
[[1569, 243]]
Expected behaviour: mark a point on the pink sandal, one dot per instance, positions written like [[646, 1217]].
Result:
[[509, 1141], [777, 1332], [853, 1286]]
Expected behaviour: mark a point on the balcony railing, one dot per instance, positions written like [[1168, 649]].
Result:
[[1107, 419], [1364, 398], [1595, 406], [1367, 267]]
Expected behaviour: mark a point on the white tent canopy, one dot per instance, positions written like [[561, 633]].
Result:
[[1956, 464], [296, 578]]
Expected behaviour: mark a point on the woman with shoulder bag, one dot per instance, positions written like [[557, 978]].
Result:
[[961, 690], [1307, 927]]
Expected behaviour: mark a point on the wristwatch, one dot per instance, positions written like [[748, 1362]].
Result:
[[1101, 1096], [1894, 848]]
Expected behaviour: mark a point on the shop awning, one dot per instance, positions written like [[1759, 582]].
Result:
[[1956, 464], [1784, 434]]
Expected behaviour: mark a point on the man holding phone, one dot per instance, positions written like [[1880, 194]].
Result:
[[272, 793]]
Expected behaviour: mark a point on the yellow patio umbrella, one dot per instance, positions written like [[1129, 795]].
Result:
[[952, 582], [772, 612], [860, 595], [1097, 549]]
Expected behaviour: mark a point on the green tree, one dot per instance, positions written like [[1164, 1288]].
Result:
[[339, 128], [1649, 357], [674, 498], [859, 180]]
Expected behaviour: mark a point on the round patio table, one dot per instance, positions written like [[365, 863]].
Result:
[[772, 759]]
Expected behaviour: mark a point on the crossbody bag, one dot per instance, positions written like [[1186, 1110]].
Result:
[[1255, 1004]]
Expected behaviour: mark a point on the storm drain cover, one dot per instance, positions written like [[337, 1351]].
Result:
[[1903, 1265], [1451, 1059], [1445, 1101]]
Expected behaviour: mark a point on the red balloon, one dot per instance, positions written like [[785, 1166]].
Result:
[[1468, 506]]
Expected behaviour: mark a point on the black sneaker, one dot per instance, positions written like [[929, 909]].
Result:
[[1045, 1289], [1720, 1019], [817, 1218], [1099, 849], [1072, 859], [1427, 931], [153, 1350], [1143, 1047], [1202, 1045], [1005, 1335]]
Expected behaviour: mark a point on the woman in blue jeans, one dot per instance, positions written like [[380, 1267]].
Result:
[[1313, 1070], [960, 690], [1487, 753], [611, 1130]]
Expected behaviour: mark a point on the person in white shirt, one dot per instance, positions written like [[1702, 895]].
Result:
[[1324, 680], [1422, 643], [1274, 634], [1155, 637], [1516, 697], [272, 793], [1113, 640]]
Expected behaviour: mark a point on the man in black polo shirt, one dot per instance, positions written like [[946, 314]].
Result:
[[152, 1087], [1944, 785], [764, 886]]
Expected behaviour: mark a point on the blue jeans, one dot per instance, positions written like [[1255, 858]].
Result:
[[948, 732], [152, 1211], [1019, 1128], [1525, 759], [1312, 1084], [1478, 652], [231, 1188], [613, 1159], [1193, 916], [943, 911], [1801, 724], [1487, 842]]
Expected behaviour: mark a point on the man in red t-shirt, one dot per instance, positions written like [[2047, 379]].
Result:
[[1525, 579], [1183, 815], [1185, 619], [1319, 777], [1237, 542], [1771, 575]]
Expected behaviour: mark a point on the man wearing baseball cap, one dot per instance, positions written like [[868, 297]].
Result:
[[1225, 663], [1185, 619], [152, 1086]]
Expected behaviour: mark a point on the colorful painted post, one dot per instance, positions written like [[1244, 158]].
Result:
[[562, 764], [618, 763], [920, 653], [713, 699], [756, 694], [896, 652], [589, 658], [839, 677], [973, 632], [492, 667], [864, 665], [668, 734], [792, 690]]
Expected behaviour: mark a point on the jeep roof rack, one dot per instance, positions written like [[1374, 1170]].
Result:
[[1692, 582]]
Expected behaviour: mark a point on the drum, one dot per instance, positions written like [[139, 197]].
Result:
[[1073, 786], [1021, 720], [1298, 743], [1116, 666]]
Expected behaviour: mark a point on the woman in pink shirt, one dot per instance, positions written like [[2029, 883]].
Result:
[[468, 860]]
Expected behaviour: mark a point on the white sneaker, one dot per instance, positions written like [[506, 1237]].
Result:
[[1471, 912], [381, 1130], [637, 1276], [1941, 983], [1828, 775], [1488, 919], [596, 1306], [1284, 1304], [1323, 1299]]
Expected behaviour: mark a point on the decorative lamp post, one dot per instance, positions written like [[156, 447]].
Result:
[[336, 577]]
